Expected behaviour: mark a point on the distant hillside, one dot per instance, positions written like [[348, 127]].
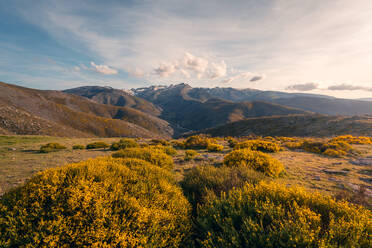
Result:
[[30, 111], [296, 125], [108, 95], [308, 102], [194, 112]]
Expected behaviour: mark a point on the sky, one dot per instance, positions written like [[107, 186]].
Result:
[[312, 46]]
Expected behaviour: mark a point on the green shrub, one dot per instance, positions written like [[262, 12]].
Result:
[[154, 156], [78, 147], [258, 161], [124, 143], [51, 147], [259, 145], [97, 145], [190, 154], [214, 147], [104, 202], [201, 180], [270, 215]]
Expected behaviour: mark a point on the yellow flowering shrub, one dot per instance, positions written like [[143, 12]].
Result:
[[255, 160], [103, 202], [353, 139], [154, 156], [190, 154], [329, 148], [214, 147], [198, 142], [271, 215], [259, 145], [201, 180], [124, 143]]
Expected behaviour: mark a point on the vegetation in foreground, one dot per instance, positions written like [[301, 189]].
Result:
[[125, 200]]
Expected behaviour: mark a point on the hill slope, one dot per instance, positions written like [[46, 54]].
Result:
[[108, 95], [71, 115], [186, 110], [296, 125]]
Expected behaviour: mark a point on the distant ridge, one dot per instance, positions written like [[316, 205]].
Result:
[[191, 109], [296, 125], [307, 102]]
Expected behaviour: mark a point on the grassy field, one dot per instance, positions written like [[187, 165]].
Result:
[[20, 159]]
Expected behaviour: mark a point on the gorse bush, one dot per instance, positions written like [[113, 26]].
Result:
[[51, 147], [214, 147], [124, 143], [201, 180], [259, 145], [352, 139], [104, 202], [167, 149], [330, 148], [78, 147], [271, 215], [97, 145], [160, 142], [154, 156], [255, 160], [190, 154], [198, 142]]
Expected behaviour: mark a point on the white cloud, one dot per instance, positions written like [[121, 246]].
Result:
[[103, 69], [136, 72], [193, 63], [165, 70], [218, 70], [303, 87]]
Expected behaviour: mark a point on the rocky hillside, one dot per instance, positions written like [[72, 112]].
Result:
[[30, 111], [116, 97], [188, 111]]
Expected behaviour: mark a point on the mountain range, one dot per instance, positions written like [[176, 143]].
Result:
[[165, 111]]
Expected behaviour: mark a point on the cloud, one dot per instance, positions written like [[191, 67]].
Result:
[[349, 87], [257, 78], [218, 70], [303, 87], [165, 70], [103, 69], [245, 75], [193, 63], [136, 72]]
